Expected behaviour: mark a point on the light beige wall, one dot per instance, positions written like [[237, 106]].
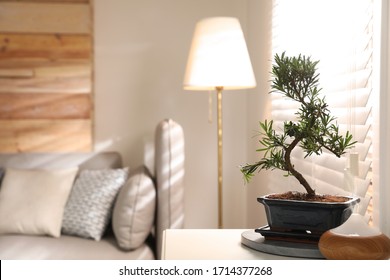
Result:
[[141, 48], [381, 127], [259, 28]]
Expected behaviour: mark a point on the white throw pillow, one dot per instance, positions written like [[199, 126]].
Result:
[[134, 210], [33, 201], [89, 207]]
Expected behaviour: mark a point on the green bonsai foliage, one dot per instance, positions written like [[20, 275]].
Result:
[[314, 130]]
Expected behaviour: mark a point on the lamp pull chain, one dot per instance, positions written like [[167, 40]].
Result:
[[210, 106]]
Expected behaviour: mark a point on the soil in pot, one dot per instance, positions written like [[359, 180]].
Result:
[[305, 197]]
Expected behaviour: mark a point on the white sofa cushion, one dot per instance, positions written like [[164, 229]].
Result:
[[67, 247], [89, 207], [33, 201], [133, 214]]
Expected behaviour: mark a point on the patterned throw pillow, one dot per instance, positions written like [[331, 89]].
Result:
[[89, 207]]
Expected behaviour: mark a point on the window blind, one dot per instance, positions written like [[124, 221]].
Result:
[[340, 35]]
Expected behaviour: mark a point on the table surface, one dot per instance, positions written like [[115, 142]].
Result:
[[210, 244]]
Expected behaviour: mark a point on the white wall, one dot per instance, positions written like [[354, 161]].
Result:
[[141, 49], [259, 44], [382, 129]]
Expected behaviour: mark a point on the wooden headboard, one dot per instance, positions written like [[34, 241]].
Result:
[[46, 62]]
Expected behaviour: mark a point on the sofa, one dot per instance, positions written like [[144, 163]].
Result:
[[89, 206]]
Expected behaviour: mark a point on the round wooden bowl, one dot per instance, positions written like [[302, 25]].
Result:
[[354, 240], [336, 246]]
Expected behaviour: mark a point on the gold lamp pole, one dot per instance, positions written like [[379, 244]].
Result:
[[219, 129], [219, 59]]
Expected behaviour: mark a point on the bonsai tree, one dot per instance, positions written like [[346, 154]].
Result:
[[314, 130]]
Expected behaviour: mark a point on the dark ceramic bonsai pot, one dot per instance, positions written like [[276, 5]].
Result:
[[318, 217]]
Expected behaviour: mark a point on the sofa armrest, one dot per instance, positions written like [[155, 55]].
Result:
[[169, 172]]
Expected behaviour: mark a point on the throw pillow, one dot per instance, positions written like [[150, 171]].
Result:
[[89, 206], [33, 201], [134, 210], [133, 214]]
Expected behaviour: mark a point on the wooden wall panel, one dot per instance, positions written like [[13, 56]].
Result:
[[75, 84], [45, 47], [44, 17], [45, 106], [46, 99], [45, 136], [51, 1]]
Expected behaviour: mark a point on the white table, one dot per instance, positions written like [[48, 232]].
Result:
[[209, 244]]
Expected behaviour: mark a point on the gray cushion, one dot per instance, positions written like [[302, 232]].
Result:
[[88, 210], [133, 214]]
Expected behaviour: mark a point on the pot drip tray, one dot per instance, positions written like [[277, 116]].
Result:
[[298, 236], [255, 241]]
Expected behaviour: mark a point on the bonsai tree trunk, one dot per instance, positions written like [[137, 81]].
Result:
[[290, 168]]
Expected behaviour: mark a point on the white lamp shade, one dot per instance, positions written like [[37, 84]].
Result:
[[218, 56]]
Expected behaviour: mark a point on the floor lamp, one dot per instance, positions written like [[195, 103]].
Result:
[[219, 60]]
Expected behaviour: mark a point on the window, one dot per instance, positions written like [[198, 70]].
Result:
[[340, 34]]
